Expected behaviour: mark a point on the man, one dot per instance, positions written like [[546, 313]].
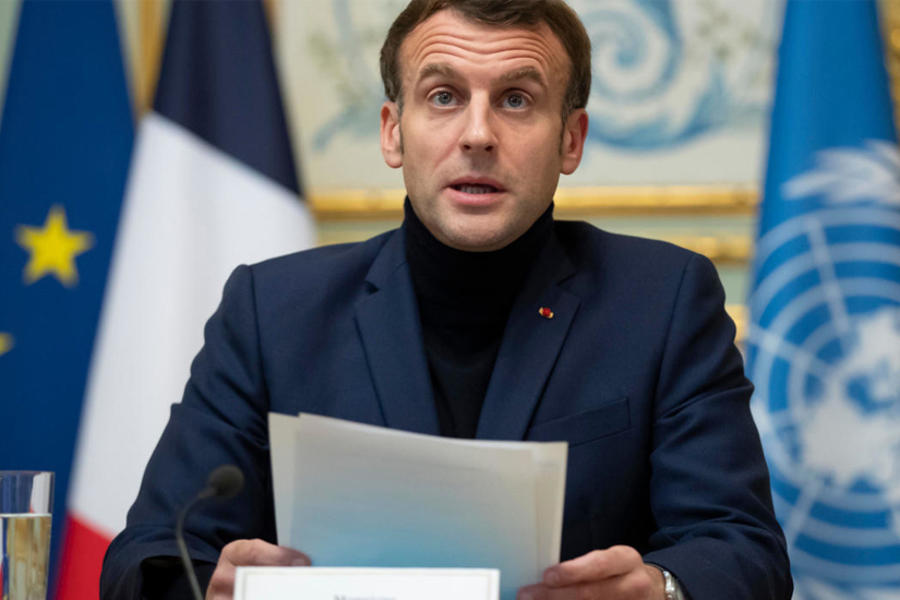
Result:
[[482, 317]]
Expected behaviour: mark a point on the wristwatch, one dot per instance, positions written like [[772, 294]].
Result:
[[671, 588]]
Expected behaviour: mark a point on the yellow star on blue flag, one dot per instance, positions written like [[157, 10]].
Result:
[[6, 343], [53, 248]]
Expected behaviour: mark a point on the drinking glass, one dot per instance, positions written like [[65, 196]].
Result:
[[26, 499]]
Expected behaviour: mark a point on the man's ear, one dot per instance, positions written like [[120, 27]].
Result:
[[574, 134], [391, 145]]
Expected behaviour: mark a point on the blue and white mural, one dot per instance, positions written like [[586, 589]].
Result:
[[665, 72]]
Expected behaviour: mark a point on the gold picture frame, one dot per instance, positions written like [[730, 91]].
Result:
[[635, 200]]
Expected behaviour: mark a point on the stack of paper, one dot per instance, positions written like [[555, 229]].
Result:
[[355, 495]]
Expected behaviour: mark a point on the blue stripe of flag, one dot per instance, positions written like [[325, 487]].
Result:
[[216, 52]]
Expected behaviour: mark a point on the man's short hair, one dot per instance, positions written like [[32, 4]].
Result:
[[558, 16]]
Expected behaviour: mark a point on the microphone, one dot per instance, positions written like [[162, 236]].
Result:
[[224, 482]]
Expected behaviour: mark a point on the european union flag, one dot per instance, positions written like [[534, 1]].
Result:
[[824, 348], [65, 145]]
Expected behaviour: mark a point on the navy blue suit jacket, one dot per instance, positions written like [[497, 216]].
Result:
[[637, 370]]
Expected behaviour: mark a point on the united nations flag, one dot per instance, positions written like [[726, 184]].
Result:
[[824, 344]]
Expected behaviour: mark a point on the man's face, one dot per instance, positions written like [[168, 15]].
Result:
[[480, 138]]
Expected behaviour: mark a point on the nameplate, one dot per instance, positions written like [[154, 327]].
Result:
[[340, 583]]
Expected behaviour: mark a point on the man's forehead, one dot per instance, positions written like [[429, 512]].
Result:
[[532, 52]]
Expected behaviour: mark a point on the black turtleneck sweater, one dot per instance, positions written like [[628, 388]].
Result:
[[464, 301]]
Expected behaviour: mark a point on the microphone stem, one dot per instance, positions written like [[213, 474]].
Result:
[[224, 482], [182, 549]]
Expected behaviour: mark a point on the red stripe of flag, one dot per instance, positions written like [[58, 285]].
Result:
[[82, 558]]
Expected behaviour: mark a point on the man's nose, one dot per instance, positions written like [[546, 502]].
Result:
[[479, 134]]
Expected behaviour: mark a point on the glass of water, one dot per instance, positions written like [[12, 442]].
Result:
[[26, 499]]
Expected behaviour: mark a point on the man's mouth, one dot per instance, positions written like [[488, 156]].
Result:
[[475, 188]]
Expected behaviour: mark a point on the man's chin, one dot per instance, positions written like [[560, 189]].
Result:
[[479, 239]]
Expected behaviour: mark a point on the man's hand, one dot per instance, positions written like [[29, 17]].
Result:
[[249, 553], [618, 573]]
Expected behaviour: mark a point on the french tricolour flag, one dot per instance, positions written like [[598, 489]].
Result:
[[212, 185]]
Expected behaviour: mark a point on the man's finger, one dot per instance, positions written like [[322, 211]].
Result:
[[258, 553], [593, 566], [249, 553], [537, 591], [633, 585], [572, 592]]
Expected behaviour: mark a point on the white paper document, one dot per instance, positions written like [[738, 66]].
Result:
[[353, 495], [337, 583]]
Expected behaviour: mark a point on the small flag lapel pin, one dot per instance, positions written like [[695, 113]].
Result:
[[545, 312]]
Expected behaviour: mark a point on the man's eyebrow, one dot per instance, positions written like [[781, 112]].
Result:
[[437, 69], [524, 73]]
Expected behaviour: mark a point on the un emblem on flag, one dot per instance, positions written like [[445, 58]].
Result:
[[824, 353]]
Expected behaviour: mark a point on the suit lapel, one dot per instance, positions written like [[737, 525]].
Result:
[[388, 322], [530, 346]]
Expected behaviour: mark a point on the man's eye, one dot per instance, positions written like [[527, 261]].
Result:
[[515, 101], [443, 98]]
